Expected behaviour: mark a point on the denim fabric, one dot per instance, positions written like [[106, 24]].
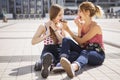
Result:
[[70, 49], [90, 57], [81, 56], [73, 56], [54, 50]]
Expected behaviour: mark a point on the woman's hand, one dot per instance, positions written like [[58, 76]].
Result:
[[77, 22], [65, 26]]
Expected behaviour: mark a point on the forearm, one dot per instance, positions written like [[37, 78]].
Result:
[[75, 37], [38, 40], [71, 33]]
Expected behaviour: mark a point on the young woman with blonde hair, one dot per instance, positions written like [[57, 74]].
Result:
[[90, 43]]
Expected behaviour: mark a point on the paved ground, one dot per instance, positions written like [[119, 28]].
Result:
[[18, 56]]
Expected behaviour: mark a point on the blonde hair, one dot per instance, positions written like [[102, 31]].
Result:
[[94, 10]]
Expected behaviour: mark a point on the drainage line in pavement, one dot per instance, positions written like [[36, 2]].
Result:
[[7, 25]]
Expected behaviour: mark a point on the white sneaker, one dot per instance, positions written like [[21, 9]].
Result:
[[67, 67], [58, 68]]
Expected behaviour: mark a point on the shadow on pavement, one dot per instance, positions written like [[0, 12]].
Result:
[[87, 67], [29, 69], [22, 70]]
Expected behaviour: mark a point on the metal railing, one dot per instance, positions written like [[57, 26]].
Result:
[[28, 16], [112, 15], [38, 16]]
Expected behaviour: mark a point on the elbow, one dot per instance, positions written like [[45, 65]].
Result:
[[32, 42], [82, 42]]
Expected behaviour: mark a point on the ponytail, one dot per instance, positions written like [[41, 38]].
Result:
[[98, 12], [93, 9]]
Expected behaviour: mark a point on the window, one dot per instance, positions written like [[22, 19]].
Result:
[[11, 6], [4, 6], [18, 6], [32, 6], [25, 6], [38, 6]]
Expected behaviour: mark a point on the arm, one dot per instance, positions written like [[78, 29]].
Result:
[[93, 31], [38, 35], [59, 36]]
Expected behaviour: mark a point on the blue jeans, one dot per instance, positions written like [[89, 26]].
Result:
[[54, 50], [70, 49], [73, 52], [90, 57]]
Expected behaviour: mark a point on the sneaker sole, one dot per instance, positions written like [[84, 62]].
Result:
[[47, 61], [58, 69], [67, 67]]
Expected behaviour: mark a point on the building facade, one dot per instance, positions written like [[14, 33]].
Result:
[[38, 8], [20, 7]]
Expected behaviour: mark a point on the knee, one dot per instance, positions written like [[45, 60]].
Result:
[[64, 55], [94, 59], [49, 54], [66, 39]]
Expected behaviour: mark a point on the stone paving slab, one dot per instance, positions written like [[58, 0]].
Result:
[[19, 62], [18, 56], [26, 29]]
